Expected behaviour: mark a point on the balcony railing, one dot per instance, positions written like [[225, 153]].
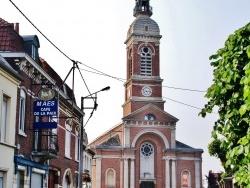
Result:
[[45, 145]]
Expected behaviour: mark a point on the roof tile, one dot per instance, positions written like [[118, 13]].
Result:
[[10, 40]]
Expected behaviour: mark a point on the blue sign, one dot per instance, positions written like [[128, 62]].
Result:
[[45, 108], [44, 125]]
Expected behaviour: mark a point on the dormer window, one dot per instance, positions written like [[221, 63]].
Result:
[[32, 44], [33, 51]]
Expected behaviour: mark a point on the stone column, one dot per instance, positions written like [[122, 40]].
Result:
[[173, 145], [125, 173], [98, 172], [121, 172], [132, 173], [197, 173], [173, 173], [167, 178], [127, 137]]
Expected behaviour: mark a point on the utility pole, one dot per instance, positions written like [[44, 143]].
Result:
[[82, 147]]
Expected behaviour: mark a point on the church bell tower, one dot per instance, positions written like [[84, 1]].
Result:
[[143, 83]]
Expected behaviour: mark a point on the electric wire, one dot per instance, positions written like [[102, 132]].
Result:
[[49, 41], [97, 71], [124, 80], [178, 88], [40, 31]]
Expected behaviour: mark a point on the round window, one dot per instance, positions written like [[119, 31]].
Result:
[[147, 149], [145, 49]]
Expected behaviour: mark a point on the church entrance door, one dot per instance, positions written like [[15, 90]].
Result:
[[147, 184]]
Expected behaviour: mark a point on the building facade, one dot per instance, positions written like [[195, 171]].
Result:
[[43, 145], [8, 98], [142, 150]]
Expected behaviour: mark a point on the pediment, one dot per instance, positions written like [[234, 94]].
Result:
[[159, 114], [112, 141]]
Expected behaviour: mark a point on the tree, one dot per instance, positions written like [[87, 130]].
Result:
[[230, 92], [215, 149]]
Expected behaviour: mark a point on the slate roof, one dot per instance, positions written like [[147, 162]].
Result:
[[10, 40], [182, 145], [138, 26], [6, 66]]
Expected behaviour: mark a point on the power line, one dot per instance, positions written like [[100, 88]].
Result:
[[74, 62], [40, 32], [124, 80], [97, 71], [184, 89]]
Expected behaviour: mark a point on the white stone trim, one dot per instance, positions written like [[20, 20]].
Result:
[[38, 171], [173, 173], [166, 143], [121, 172], [127, 136], [125, 174], [132, 173], [173, 143], [167, 178], [98, 172], [197, 174]]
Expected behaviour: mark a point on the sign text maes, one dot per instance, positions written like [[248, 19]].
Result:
[[45, 108]]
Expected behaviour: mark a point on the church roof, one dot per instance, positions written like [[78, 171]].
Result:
[[144, 25], [183, 147]]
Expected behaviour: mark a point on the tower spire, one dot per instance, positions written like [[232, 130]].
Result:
[[142, 7]]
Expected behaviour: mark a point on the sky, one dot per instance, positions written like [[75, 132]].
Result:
[[93, 34]]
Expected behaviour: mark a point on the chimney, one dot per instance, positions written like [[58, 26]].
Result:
[[16, 27]]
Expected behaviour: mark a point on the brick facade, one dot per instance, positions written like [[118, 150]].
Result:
[[142, 151], [40, 152]]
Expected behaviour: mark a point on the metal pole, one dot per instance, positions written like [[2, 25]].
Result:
[[81, 150], [81, 132]]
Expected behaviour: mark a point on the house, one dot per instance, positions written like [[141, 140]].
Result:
[[142, 150], [44, 142], [8, 99]]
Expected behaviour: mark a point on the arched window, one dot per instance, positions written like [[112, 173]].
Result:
[[130, 64], [110, 177], [149, 117], [146, 61], [22, 110], [67, 179], [147, 161], [185, 178]]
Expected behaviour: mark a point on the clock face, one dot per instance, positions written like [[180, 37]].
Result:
[[146, 91]]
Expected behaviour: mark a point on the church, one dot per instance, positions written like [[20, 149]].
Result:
[[142, 150]]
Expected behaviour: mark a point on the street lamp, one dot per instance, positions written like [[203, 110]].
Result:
[[94, 98]]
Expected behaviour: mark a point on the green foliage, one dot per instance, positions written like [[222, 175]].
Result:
[[215, 149], [230, 92]]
